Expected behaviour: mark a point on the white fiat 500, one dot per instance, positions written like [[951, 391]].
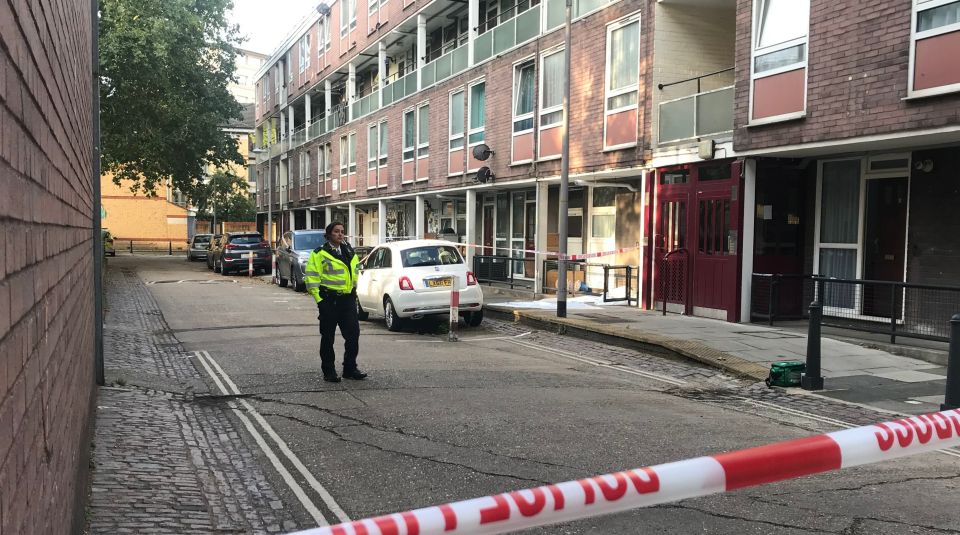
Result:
[[413, 279]]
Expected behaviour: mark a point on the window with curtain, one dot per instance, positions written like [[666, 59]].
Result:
[[623, 66], [523, 97], [839, 229], [477, 99], [409, 134], [423, 130], [344, 155], [938, 17], [306, 168], [353, 152], [372, 145], [456, 120], [551, 89]]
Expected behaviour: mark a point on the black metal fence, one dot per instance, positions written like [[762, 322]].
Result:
[[581, 274], [499, 270], [886, 307], [673, 282]]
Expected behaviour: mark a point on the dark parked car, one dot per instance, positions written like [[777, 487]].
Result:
[[212, 248], [198, 246], [293, 251], [232, 253]]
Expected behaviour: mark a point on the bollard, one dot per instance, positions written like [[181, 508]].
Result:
[[131, 246], [811, 379], [951, 400], [169, 248], [454, 310], [250, 264]]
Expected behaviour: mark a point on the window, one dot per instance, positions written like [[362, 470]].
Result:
[[348, 16], [372, 6], [432, 255], [289, 70], [304, 53], [321, 162], [935, 32], [306, 168], [383, 143], [523, 97], [423, 130], [372, 146], [551, 89], [456, 120], [344, 156], [409, 135], [353, 152], [477, 98], [623, 66], [780, 29], [278, 74]]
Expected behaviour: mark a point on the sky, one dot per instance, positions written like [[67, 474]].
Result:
[[266, 22]]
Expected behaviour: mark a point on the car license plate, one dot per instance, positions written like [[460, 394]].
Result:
[[437, 283]]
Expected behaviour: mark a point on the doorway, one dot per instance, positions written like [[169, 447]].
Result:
[[884, 238]]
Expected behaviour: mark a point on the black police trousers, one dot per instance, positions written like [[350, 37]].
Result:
[[338, 310]]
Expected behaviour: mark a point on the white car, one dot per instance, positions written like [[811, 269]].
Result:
[[412, 279]]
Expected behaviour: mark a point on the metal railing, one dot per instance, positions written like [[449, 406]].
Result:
[[507, 34], [501, 270], [892, 308], [400, 88], [589, 278], [447, 65], [628, 279]]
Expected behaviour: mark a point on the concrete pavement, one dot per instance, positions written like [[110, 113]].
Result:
[[852, 372]]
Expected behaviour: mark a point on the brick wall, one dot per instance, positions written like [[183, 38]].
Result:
[[46, 272], [858, 73], [587, 109]]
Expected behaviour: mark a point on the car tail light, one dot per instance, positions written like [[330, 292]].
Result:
[[263, 244], [471, 279], [230, 246], [405, 283]]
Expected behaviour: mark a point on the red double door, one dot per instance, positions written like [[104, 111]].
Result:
[[697, 236]]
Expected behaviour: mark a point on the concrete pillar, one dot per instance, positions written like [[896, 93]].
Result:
[[352, 222], [327, 97], [471, 234], [382, 220], [419, 217], [327, 216], [746, 236], [351, 87], [307, 114], [543, 211], [473, 20], [421, 47], [292, 124], [381, 71], [283, 131], [309, 219], [293, 220]]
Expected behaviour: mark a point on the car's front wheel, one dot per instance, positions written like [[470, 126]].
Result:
[[298, 282], [390, 316]]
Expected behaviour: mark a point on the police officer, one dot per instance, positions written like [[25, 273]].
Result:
[[331, 278]]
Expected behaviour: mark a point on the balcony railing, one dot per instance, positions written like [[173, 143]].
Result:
[[400, 88], [299, 137], [507, 34], [276, 149], [702, 114], [447, 65], [317, 128]]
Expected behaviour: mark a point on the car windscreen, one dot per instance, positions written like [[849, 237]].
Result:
[[201, 240], [308, 241], [430, 255], [246, 239]]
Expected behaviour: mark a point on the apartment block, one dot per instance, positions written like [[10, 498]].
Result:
[[723, 142]]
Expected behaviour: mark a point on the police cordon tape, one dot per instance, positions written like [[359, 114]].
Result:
[[581, 256], [691, 478]]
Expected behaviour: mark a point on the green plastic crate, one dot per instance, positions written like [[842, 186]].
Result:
[[786, 373]]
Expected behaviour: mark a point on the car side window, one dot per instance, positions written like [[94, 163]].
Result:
[[387, 259], [375, 259]]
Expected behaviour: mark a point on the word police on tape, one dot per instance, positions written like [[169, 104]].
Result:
[[669, 482]]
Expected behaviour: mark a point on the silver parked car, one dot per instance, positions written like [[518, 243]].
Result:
[[293, 251], [198, 246]]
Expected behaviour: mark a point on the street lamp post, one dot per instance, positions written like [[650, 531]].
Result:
[[269, 196], [562, 228]]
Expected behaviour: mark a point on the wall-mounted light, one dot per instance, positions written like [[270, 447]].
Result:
[[923, 165]]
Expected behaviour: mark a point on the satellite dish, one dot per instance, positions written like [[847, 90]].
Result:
[[482, 152], [323, 9], [483, 175]]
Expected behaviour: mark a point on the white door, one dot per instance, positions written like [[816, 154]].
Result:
[[366, 280]]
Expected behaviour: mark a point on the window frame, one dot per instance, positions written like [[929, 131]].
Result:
[[412, 147], [609, 94], [918, 6], [541, 109], [517, 69], [306, 171], [460, 137], [481, 130], [383, 138], [344, 159], [352, 153], [756, 51]]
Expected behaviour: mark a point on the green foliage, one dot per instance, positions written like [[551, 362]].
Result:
[[165, 66], [227, 196]]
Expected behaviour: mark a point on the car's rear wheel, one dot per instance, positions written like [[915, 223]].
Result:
[[394, 322], [475, 318], [217, 266], [362, 314]]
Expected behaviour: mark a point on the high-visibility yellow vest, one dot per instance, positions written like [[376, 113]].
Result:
[[327, 271]]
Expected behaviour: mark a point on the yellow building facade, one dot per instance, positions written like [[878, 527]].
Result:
[[148, 222]]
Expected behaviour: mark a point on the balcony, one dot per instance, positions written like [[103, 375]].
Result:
[[299, 137], [401, 88], [507, 34], [699, 115]]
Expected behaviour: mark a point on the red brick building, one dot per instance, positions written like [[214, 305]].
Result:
[[703, 130], [47, 315]]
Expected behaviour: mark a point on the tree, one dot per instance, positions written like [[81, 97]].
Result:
[[225, 196], [165, 66]]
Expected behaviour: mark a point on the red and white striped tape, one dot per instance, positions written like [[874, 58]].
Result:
[[669, 482], [532, 251]]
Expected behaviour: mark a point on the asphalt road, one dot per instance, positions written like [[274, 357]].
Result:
[[502, 410]]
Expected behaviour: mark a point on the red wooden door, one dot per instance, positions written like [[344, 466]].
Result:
[[716, 240], [671, 238]]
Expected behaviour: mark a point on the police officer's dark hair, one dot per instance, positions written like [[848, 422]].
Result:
[[329, 229]]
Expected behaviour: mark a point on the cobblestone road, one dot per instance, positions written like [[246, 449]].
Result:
[[165, 462]]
